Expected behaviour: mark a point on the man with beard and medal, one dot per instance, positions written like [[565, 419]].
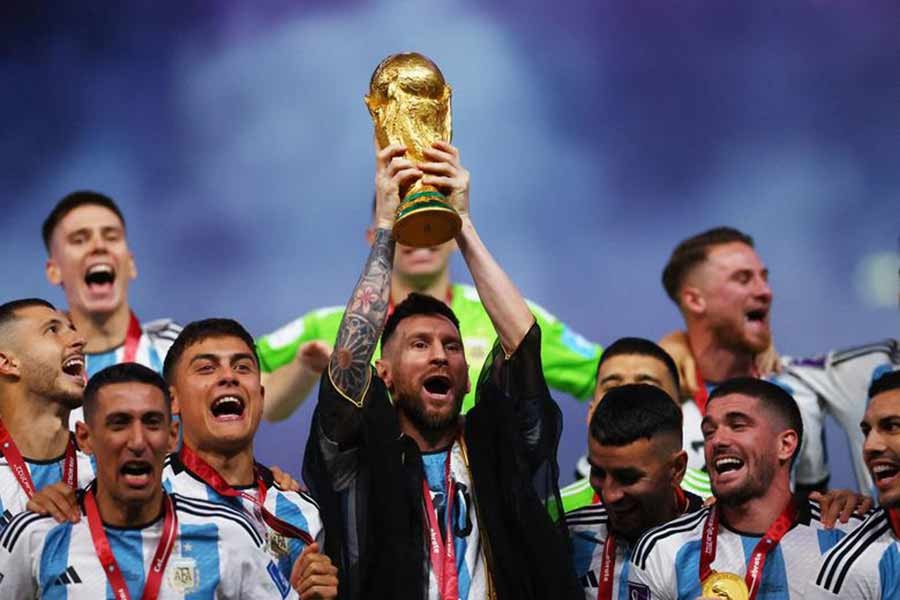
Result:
[[417, 501], [134, 540], [637, 465], [757, 541], [865, 565], [41, 382]]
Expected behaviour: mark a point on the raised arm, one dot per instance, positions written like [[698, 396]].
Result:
[[501, 299], [368, 306]]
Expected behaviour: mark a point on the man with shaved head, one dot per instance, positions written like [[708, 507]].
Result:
[[41, 381]]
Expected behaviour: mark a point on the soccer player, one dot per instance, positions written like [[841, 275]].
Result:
[[41, 381], [213, 373], [88, 257], [625, 361], [866, 564], [637, 465], [392, 473], [294, 356], [757, 536], [134, 540]]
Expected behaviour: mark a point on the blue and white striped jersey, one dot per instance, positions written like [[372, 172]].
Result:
[[296, 508], [470, 566], [155, 342], [43, 473], [837, 384], [863, 565], [217, 555], [665, 561]]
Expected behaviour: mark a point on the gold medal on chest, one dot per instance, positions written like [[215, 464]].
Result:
[[725, 585]]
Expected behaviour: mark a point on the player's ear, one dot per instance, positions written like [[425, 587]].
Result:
[[174, 425], [9, 364], [52, 271], [383, 369], [132, 267], [83, 437], [788, 440], [176, 405], [692, 300], [679, 467]]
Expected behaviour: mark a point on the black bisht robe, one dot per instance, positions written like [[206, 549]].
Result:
[[367, 478]]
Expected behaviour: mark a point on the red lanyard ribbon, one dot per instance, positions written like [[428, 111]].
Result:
[[108, 560], [132, 339], [211, 477], [443, 560], [20, 470], [894, 517], [757, 563], [607, 568]]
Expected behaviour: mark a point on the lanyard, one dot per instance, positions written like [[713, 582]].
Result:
[[132, 339], [443, 561], [770, 539], [211, 477], [894, 518], [108, 560], [20, 470]]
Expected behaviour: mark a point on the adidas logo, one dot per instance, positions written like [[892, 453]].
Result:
[[68, 578]]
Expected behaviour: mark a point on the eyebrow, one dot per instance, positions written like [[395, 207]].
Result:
[[216, 358]]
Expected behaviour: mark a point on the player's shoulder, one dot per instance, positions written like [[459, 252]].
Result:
[[26, 525], [233, 523], [300, 498], [887, 348], [669, 537], [858, 553], [592, 517], [165, 329], [811, 515]]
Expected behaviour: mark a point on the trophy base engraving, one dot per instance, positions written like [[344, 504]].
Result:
[[424, 219]]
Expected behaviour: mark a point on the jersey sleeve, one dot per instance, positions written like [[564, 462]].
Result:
[[812, 466], [18, 564], [570, 360], [279, 348], [651, 579]]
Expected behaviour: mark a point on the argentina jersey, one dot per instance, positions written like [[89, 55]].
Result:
[[588, 532], [665, 563], [470, 567], [217, 554], [296, 508], [43, 473], [839, 384], [865, 565]]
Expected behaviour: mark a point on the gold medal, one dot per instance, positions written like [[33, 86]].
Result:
[[725, 585]]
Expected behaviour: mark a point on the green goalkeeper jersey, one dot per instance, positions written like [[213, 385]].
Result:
[[570, 361]]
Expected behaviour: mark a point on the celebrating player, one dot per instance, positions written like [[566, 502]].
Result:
[[389, 475], [294, 356], [637, 464], [757, 540], [134, 539], [864, 565], [88, 257], [41, 381]]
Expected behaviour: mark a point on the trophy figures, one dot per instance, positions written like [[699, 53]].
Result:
[[410, 105]]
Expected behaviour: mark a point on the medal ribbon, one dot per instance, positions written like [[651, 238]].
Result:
[[20, 470], [443, 559], [770, 539], [211, 477], [607, 568], [108, 560], [132, 339], [894, 517]]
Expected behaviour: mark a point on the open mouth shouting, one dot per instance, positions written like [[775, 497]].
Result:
[[727, 468], [99, 278], [885, 473], [136, 473], [758, 317], [73, 367], [227, 408], [438, 387]]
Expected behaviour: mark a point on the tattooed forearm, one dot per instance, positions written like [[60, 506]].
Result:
[[363, 320]]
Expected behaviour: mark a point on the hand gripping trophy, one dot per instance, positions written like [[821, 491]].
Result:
[[410, 105]]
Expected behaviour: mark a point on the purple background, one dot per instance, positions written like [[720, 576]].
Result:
[[598, 135]]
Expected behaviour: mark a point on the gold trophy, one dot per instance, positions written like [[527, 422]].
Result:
[[410, 105], [725, 585]]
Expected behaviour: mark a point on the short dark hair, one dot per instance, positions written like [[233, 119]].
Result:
[[886, 382], [416, 304], [641, 347], [773, 396], [198, 331], [122, 373], [693, 251], [69, 203], [631, 412], [9, 310]]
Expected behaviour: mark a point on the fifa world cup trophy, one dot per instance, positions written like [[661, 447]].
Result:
[[410, 105]]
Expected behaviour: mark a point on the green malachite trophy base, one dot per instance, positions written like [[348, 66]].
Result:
[[425, 219]]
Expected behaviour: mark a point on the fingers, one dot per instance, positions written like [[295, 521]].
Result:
[[439, 182], [313, 575], [865, 505], [384, 156], [830, 509], [284, 480], [58, 501], [438, 168], [442, 147]]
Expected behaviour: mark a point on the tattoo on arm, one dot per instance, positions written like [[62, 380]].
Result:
[[363, 320]]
